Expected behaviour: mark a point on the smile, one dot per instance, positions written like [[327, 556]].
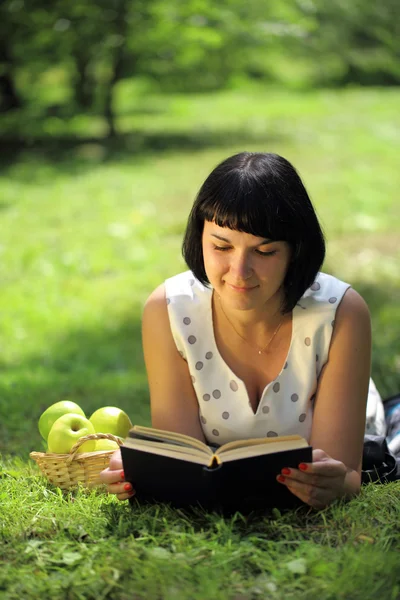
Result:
[[242, 289]]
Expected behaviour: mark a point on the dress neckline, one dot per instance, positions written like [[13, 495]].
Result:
[[216, 349]]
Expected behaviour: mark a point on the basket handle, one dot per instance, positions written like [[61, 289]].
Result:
[[92, 436]]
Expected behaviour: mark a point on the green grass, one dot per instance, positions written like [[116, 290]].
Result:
[[88, 228], [86, 545]]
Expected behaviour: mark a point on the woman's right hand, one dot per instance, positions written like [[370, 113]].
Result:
[[113, 477]]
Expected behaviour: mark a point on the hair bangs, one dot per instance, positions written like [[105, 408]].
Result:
[[244, 210]]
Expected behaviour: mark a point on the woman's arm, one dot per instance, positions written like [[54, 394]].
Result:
[[339, 411], [174, 405], [340, 407], [173, 400]]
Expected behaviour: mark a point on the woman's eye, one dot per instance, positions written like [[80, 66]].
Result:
[[222, 248], [225, 248], [269, 253]]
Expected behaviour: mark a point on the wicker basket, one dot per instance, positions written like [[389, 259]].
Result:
[[69, 470]]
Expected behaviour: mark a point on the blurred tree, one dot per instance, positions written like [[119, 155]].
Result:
[[186, 46], [193, 45], [94, 37], [116, 60], [27, 42], [11, 29], [78, 25], [353, 42], [198, 44], [8, 93]]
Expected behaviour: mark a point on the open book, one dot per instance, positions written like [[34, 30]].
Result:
[[176, 468]]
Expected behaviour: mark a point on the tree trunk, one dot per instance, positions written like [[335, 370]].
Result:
[[9, 98], [83, 88], [108, 108], [116, 68]]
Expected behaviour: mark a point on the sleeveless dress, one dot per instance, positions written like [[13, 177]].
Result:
[[286, 404]]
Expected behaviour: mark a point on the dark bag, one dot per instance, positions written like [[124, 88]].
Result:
[[379, 465]]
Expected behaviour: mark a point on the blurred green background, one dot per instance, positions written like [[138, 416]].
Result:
[[63, 59], [112, 113]]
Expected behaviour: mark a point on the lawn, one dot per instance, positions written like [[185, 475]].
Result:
[[88, 228]]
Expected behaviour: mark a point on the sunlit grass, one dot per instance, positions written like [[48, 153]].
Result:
[[87, 545]]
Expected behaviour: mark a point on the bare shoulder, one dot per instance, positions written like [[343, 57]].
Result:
[[352, 327], [155, 306], [156, 298], [353, 309]]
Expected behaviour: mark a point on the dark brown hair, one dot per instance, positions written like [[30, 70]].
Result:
[[261, 194]]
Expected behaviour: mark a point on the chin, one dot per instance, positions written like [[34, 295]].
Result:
[[240, 301]]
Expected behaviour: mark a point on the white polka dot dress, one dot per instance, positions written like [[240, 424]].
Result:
[[286, 403]]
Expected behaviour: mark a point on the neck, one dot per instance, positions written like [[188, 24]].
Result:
[[255, 322], [259, 336]]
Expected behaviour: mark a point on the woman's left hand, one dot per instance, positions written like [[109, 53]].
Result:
[[318, 483]]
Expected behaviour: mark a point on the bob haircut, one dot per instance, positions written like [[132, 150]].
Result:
[[261, 194]]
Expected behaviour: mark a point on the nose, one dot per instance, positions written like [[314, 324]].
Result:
[[240, 267]]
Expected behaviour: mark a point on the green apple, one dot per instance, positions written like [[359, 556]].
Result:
[[111, 419], [106, 445], [67, 430], [54, 412]]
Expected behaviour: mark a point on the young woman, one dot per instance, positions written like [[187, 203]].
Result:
[[254, 340]]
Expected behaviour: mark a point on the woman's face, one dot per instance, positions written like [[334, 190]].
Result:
[[246, 271]]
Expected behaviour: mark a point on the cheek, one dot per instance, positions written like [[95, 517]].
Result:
[[208, 262], [215, 268], [212, 261], [207, 259], [274, 270]]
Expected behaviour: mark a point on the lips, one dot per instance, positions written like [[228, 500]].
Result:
[[240, 288]]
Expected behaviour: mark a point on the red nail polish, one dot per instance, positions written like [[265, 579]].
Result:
[[281, 479], [127, 487], [122, 475], [285, 471], [303, 466]]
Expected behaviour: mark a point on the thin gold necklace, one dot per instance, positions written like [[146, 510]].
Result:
[[244, 339]]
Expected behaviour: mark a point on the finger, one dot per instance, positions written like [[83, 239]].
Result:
[[327, 467], [318, 455], [122, 487], [122, 490], [306, 478], [111, 476], [125, 496], [313, 496], [115, 463]]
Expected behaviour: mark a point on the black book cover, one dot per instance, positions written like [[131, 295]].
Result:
[[241, 485]]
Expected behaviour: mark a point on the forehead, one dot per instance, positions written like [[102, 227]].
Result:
[[212, 229]]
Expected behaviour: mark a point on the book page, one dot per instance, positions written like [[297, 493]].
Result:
[[257, 441], [170, 450], [262, 449], [170, 436]]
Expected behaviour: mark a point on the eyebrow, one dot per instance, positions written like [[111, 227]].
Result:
[[219, 237]]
